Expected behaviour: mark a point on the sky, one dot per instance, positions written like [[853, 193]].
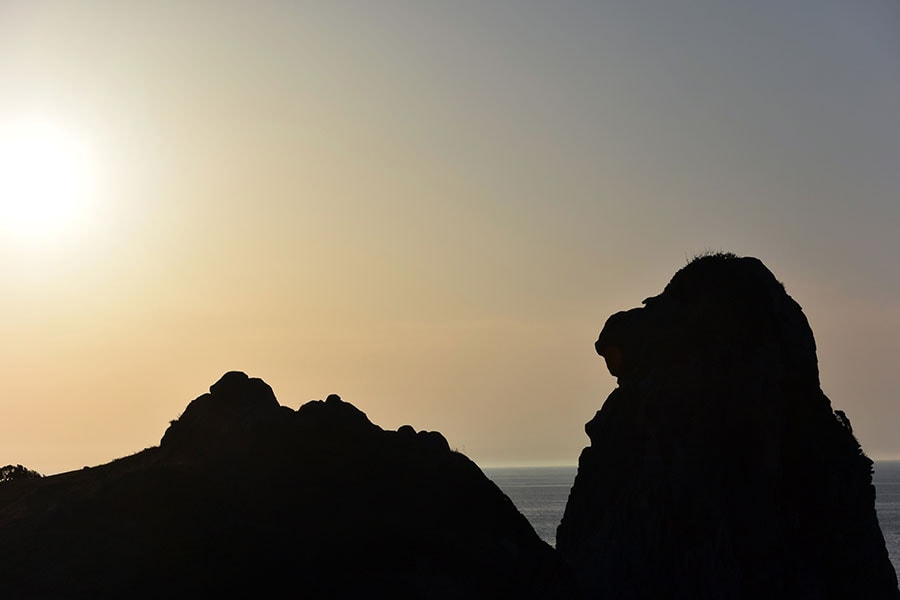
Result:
[[429, 208]]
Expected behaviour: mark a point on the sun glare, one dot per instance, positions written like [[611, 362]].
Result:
[[44, 181]]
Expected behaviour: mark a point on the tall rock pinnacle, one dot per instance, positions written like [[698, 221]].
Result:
[[718, 468]]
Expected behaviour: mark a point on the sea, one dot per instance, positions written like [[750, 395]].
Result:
[[540, 493]]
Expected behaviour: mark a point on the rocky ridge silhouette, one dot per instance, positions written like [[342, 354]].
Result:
[[244, 497]]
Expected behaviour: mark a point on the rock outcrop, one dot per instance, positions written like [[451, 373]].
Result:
[[718, 468], [244, 497]]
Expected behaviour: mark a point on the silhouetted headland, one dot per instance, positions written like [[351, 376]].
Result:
[[244, 497], [717, 468]]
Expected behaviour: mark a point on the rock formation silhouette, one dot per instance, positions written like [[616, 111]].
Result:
[[717, 468], [244, 497]]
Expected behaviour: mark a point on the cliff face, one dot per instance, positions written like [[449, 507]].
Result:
[[717, 468], [244, 496]]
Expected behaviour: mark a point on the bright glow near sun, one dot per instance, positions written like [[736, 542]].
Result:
[[44, 182]]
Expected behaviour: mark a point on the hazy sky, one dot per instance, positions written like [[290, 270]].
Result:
[[429, 208]]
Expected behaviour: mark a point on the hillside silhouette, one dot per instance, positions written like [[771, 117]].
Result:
[[244, 496], [717, 469]]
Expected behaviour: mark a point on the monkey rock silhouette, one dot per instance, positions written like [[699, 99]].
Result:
[[717, 468]]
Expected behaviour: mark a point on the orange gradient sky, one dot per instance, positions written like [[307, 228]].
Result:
[[429, 208]]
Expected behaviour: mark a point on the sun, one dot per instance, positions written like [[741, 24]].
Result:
[[45, 177]]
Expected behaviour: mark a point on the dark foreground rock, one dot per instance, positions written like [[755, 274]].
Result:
[[246, 498], [717, 468]]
